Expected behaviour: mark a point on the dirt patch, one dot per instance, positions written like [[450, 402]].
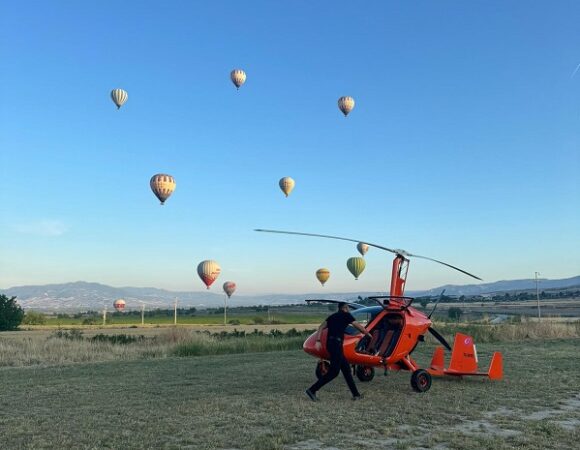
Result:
[[482, 427]]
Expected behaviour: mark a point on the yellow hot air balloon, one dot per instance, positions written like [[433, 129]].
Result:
[[162, 186], [286, 184], [119, 305], [362, 248], [323, 275], [238, 77], [208, 271], [119, 97], [356, 265], [346, 105]]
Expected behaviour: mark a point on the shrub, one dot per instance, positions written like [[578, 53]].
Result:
[[455, 313], [11, 314], [258, 320], [34, 318], [234, 322], [90, 321]]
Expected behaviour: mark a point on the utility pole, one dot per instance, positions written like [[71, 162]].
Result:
[[105, 315], [226, 310], [538, 295], [175, 312], [142, 313]]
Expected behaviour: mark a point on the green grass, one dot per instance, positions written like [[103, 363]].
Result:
[[205, 319], [256, 401]]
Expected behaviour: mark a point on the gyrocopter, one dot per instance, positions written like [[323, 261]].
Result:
[[397, 328]]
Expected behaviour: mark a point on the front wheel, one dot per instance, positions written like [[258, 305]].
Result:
[[365, 373], [322, 368], [421, 380]]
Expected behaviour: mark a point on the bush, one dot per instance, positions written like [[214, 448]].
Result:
[[11, 314], [258, 320], [234, 322], [90, 321], [455, 313], [34, 318], [72, 335]]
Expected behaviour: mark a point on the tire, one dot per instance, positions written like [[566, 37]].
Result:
[[421, 380], [322, 368], [365, 373]]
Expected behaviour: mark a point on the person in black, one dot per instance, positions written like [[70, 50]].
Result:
[[336, 324]]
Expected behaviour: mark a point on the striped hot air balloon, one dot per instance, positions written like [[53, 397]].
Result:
[[287, 185], [162, 186], [356, 265], [208, 271], [346, 105], [119, 304], [323, 275], [229, 288], [238, 77], [362, 248], [119, 97]]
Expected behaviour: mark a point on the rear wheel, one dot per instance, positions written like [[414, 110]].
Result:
[[365, 373], [421, 380], [322, 368]]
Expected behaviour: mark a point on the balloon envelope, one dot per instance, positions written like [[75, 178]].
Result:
[[356, 265], [162, 186], [229, 288], [346, 105], [208, 271], [362, 248], [323, 275], [119, 304], [287, 185], [119, 97], [238, 77]]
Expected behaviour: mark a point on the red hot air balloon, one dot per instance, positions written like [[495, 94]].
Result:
[[229, 288], [119, 305], [208, 271]]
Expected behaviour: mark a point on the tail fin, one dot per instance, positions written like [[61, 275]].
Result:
[[464, 355], [438, 360], [496, 367]]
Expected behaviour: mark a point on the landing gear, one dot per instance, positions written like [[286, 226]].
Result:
[[322, 368], [421, 380], [365, 373]]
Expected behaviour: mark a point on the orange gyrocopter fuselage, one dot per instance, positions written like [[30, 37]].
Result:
[[396, 328]]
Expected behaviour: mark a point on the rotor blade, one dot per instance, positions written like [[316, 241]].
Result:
[[396, 252], [445, 264], [439, 338], [329, 237]]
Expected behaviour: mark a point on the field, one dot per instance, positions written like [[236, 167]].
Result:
[[256, 401]]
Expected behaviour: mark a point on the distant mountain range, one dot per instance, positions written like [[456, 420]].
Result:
[[81, 295]]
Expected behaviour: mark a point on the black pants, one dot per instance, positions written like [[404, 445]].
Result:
[[337, 363]]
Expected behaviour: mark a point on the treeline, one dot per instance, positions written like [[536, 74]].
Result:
[[505, 297]]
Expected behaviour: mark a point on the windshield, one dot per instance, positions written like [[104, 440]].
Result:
[[363, 316]]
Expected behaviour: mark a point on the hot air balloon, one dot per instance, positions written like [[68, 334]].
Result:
[[208, 271], [119, 97], [229, 288], [362, 248], [346, 105], [162, 186], [323, 275], [356, 265], [286, 184], [238, 77], [119, 304]]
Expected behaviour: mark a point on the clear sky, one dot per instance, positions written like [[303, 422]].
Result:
[[464, 144]]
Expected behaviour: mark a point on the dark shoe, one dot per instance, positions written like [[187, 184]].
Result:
[[311, 395], [357, 397]]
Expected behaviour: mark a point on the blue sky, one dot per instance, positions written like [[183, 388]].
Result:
[[463, 145]]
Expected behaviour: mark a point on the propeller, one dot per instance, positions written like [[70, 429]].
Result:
[[395, 251], [439, 338]]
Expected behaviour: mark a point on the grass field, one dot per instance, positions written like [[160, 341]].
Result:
[[256, 401]]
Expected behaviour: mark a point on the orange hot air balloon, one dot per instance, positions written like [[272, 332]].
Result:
[[323, 275], [229, 288], [119, 305], [208, 271]]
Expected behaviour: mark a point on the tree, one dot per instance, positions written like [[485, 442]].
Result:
[[34, 318], [11, 314], [455, 313]]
